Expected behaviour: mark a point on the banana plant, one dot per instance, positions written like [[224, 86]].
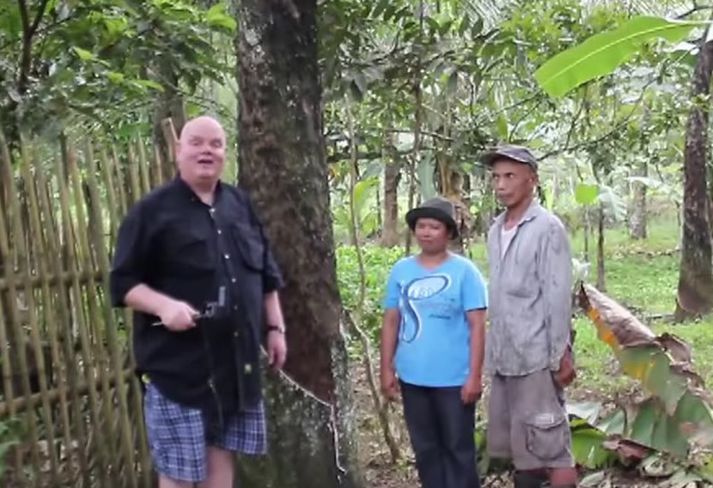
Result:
[[677, 415]]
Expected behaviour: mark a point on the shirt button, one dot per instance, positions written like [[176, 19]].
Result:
[[233, 280], [227, 256], [235, 307], [248, 368], [220, 231], [236, 334]]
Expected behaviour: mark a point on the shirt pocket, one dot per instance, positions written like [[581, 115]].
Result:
[[189, 253], [521, 275], [248, 241]]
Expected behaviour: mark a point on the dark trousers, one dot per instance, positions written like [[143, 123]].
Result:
[[442, 432]]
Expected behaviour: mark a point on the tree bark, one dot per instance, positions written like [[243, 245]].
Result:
[[637, 218], [169, 104], [392, 177], [284, 168], [601, 267], [695, 283]]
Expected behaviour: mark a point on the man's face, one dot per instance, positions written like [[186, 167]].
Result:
[[201, 151], [431, 235], [513, 182]]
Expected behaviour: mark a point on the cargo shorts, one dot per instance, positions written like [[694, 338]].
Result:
[[527, 422]]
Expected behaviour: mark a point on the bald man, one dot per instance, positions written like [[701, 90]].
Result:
[[193, 263]]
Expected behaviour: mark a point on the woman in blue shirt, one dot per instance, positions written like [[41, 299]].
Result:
[[432, 344]]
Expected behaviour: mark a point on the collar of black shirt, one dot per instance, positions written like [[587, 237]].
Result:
[[183, 187]]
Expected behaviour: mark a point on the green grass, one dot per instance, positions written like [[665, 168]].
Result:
[[641, 275]]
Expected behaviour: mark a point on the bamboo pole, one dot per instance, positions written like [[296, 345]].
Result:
[[109, 186], [120, 180], [56, 279], [143, 168], [111, 336], [77, 302], [65, 334], [5, 333], [38, 249], [133, 175], [96, 324], [135, 387], [6, 234]]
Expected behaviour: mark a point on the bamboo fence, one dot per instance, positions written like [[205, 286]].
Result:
[[68, 390]]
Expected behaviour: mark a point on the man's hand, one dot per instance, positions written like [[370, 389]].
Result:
[[178, 316], [471, 391], [566, 374], [389, 384], [276, 349]]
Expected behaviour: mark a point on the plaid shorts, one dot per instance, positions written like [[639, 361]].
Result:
[[177, 436]]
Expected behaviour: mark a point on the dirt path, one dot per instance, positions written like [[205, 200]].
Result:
[[380, 472]]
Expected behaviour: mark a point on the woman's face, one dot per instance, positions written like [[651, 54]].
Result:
[[431, 235]]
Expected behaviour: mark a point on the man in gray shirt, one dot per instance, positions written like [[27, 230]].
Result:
[[528, 349]]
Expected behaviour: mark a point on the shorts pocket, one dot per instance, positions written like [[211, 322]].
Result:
[[546, 435]]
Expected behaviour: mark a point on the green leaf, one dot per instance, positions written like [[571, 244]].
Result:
[[216, 16], [501, 123], [83, 54], [602, 53], [380, 8], [588, 411], [587, 447], [586, 194], [115, 77], [362, 191], [150, 84]]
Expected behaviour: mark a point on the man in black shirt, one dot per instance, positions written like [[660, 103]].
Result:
[[193, 263]]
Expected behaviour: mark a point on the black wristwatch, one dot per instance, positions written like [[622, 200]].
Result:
[[280, 329]]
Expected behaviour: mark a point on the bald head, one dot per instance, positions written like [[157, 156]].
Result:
[[200, 123], [200, 152]]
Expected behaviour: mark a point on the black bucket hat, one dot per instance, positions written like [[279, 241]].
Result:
[[438, 208], [519, 154]]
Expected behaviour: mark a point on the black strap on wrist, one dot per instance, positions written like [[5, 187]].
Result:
[[274, 328]]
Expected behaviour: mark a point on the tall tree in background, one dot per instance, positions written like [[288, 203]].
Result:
[[695, 283], [283, 166]]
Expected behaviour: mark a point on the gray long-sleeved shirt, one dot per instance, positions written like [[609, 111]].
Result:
[[530, 295]]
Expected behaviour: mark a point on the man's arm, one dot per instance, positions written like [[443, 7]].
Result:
[[175, 315], [273, 311], [555, 273], [127, 277], [275, 325]]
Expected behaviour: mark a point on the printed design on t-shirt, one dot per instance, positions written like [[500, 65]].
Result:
[[418, 289]]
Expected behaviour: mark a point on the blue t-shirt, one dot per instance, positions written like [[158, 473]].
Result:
[[434, 336]]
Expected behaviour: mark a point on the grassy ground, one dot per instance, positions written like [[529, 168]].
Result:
[[642, 275]]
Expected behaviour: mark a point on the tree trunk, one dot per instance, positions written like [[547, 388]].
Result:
[[601, 267], [637, 218], [585, 230], [169, 104], [283, 166], [695, 283], [392, 176]]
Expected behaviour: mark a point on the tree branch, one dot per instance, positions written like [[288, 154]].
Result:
[[28, 31], [692, 10], [38, 17]]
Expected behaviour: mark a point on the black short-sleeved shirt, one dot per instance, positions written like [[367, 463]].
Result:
[[174, 243]]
